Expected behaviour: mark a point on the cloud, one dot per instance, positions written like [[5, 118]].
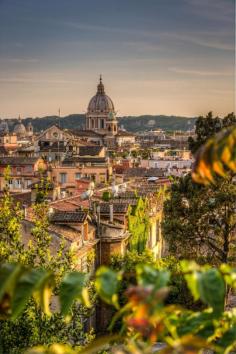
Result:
[[205, 39], [199, 72], [20, 60], [24, 80], [217, 40], [217, 10]]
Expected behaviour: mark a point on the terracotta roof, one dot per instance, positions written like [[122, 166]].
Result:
[[154, 172], [90, 150], [79, 159], [86, 133], [18, 160], [22, 198], [69, 217], [124, 200], [70, 204], [143, 172], [54, 147], [118, 208]]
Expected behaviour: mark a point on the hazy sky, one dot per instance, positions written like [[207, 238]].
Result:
[[156, 56]]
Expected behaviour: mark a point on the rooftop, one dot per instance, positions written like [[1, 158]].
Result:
[[118, 208], [82, 159], [90, 150], [69, 217], [18, 160]]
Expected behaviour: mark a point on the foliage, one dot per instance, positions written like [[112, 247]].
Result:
[[31, 327], [130, 123], [10, 228], [199, 222], [216, 157], [206, 127], [178, 292], [138, 226], [146, 318], [106, 196], [128, 262]]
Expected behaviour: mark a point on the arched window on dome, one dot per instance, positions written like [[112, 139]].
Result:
[[102, 123], [92, 124]]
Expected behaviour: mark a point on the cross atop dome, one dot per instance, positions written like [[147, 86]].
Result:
[[101, 90]]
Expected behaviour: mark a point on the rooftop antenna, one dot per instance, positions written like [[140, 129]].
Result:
[[58, 149]]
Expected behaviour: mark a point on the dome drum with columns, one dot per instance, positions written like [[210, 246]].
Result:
[[101, 116]]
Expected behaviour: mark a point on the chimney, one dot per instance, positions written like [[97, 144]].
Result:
[[82, 233], [85, 231], [111, 213]]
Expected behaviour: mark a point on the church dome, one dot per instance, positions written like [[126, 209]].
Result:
[[100, 102], [19, 129]]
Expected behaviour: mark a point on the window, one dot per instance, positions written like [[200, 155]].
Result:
[[63, 177], [102, 123], [18, 183], [28, 182], [77, 175], [10, 183]]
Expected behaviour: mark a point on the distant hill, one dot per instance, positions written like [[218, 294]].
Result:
[[131, 123], [147, 122]]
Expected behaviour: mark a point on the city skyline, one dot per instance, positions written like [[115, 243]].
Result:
[[157, 57]]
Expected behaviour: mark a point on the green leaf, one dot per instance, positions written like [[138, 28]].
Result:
[[107, 284], [212, 289], [72, 288], [33, 282], [229, 274], [8, 276], [192, 280], [199, 323], [149, 276], [205, 284], [228, 340], [191, 276]]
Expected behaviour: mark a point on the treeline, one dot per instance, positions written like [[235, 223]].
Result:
[[131, 123]]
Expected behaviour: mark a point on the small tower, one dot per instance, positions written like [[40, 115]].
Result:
[[29, 129], [111, 124]]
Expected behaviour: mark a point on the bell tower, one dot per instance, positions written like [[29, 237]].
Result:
[[111, 124]]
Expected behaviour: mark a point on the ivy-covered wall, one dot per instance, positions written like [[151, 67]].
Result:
[[138, 225]]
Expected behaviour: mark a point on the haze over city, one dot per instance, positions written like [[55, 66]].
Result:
[[156, 57]]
